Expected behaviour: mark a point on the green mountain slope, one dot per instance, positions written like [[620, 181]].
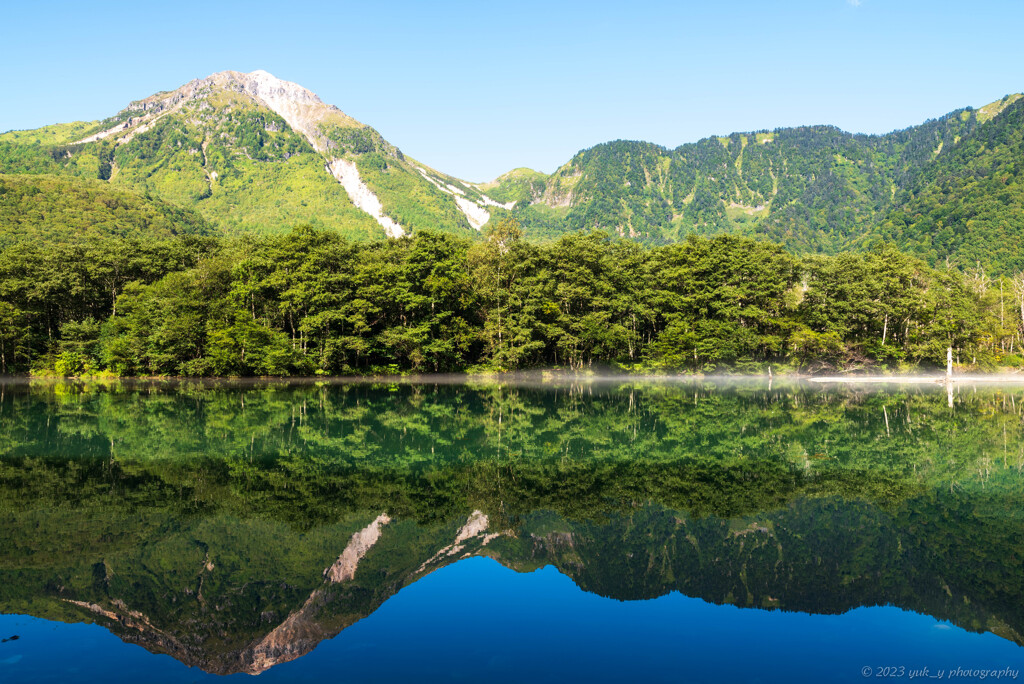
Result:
[[813, 188], [252, 153], [968, 206], [56, 209], [945, 188]]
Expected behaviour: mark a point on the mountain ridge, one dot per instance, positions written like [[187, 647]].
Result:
[[254, 153], [271, 120]]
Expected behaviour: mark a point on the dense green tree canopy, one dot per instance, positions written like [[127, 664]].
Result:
[[311, 302]]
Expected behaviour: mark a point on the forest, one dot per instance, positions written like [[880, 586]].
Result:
[[312, 302]]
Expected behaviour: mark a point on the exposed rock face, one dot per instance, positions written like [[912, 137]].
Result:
[[557, 196], [475, 526], [302, 109], [300, 632], [474, 212], [299, 107], [362, 541], [487, 201], [305, 113], [361, 195]]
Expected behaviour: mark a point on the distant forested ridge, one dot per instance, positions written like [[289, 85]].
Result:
[[251, 154], [312, 302], [946, 189]]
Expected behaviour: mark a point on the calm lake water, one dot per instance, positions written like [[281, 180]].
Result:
[[600, 531]]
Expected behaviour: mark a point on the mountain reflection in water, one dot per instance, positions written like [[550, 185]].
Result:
[[236, 526]]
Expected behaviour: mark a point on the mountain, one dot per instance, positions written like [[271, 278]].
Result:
[[815, 189], [250, 152], [253, 153], [213, 593]]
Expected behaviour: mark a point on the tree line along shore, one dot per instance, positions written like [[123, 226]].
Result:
[[310, 302]]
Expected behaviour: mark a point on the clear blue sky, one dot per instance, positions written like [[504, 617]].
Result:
[[477, 88]]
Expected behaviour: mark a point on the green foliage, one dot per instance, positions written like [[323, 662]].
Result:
[[357, 140], [968, 206], [69, 364], [722, 300], [539, 221], [522, 186], [50, 135], [884, 304], [410, 199], [54, 209], [81, 161], [264, 197], [311, 302], [53, 296]]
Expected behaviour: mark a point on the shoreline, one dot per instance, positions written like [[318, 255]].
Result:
[[548, 376]]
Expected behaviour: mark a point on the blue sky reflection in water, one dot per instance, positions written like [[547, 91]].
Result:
[[478, 621]]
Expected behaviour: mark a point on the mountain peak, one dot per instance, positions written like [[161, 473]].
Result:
[[265, 85], [301, 108]]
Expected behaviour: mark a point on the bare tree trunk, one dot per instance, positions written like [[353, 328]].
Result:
[[1018, 291], [1002, 322]]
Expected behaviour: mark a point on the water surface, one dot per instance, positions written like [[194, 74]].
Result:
[[455, 531]]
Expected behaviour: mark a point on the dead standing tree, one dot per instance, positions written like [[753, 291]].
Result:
[[1018, 294]]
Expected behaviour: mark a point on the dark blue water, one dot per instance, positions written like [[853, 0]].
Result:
[[478, 621]]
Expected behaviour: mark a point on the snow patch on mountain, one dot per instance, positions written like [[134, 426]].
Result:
[[361, 196]]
